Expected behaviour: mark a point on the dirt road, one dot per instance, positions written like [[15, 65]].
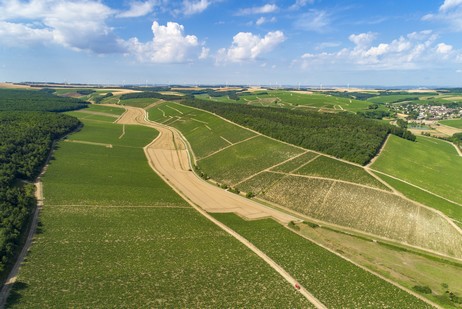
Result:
[[169, 156]]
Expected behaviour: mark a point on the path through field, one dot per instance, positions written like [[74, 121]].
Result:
[[169, 157]]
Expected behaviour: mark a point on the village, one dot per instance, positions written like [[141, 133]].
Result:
[[428, 111]]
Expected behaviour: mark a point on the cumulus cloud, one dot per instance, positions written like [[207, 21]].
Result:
[[412, 51], [450, 12], [169, 45], [314, 20], [247, 46], [265, 9], [78, 24], [138, 9]]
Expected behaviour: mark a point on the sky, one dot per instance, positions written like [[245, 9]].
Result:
[[278, 42]]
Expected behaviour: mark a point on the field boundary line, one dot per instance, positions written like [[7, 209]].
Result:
[[378, 153], [333, 180], [226, 147], [368, 270], [174, 109], [270, 168], [153, 104], [87, 143], [415, 186], [304, 164], [225, 140], [231, 232], [83, 111], [459, 152], [123, 131], [116, 206], [272, 138]]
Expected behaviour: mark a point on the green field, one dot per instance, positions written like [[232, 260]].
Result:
[[429, 163], [129, 240], [449, 209], [293, 99], [142, 102], [240, 161], [205, 132], [334, 281], [335, 169], [456, 123], [247, 166]]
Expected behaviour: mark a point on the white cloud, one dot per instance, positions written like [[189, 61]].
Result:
[[417, 49], [265, 9], [78, 24], [450, 4], [299, 4], [314, 20], [194, 7], [450, 12], [263, 20], [169, 45], [204, 53], [138, 9], [247, 46], [444, 49]]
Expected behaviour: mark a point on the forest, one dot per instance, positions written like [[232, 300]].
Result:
[[343, 135], [26, 138], [37, 100]]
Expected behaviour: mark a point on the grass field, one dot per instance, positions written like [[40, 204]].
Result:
[[130, 241], [365, 209], [429, 163], [406, 267], [335, 169], [205, 132], [292, 99], [142, 102], [238, 162], [456, 123], [449, 209], [257, 165], [334, 281]]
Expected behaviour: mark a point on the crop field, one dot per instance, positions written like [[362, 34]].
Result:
[[429, 163], [334, 281], [292, 99], [142, 102], [449, 209], [205, 132], [368, 210], [240, 161], [112, 233], [457, 123], [261, 166], [398, 98], [326, 167]]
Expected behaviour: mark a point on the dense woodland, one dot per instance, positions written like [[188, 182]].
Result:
[[37, 100], [26, 139], [343, 135]]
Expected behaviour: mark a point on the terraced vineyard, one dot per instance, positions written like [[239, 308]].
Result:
[[334, 281], [309, 183], [113, 234]]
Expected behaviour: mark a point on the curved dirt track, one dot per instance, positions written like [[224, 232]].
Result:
[[169, 157]]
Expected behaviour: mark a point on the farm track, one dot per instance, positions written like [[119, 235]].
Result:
[[12, 276], [169, 157], [98, 113]]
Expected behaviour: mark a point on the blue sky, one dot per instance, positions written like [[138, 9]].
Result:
[[311, 42]]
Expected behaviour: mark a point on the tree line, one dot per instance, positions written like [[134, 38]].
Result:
[[343, 135], [37, 100], [26, 138]]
